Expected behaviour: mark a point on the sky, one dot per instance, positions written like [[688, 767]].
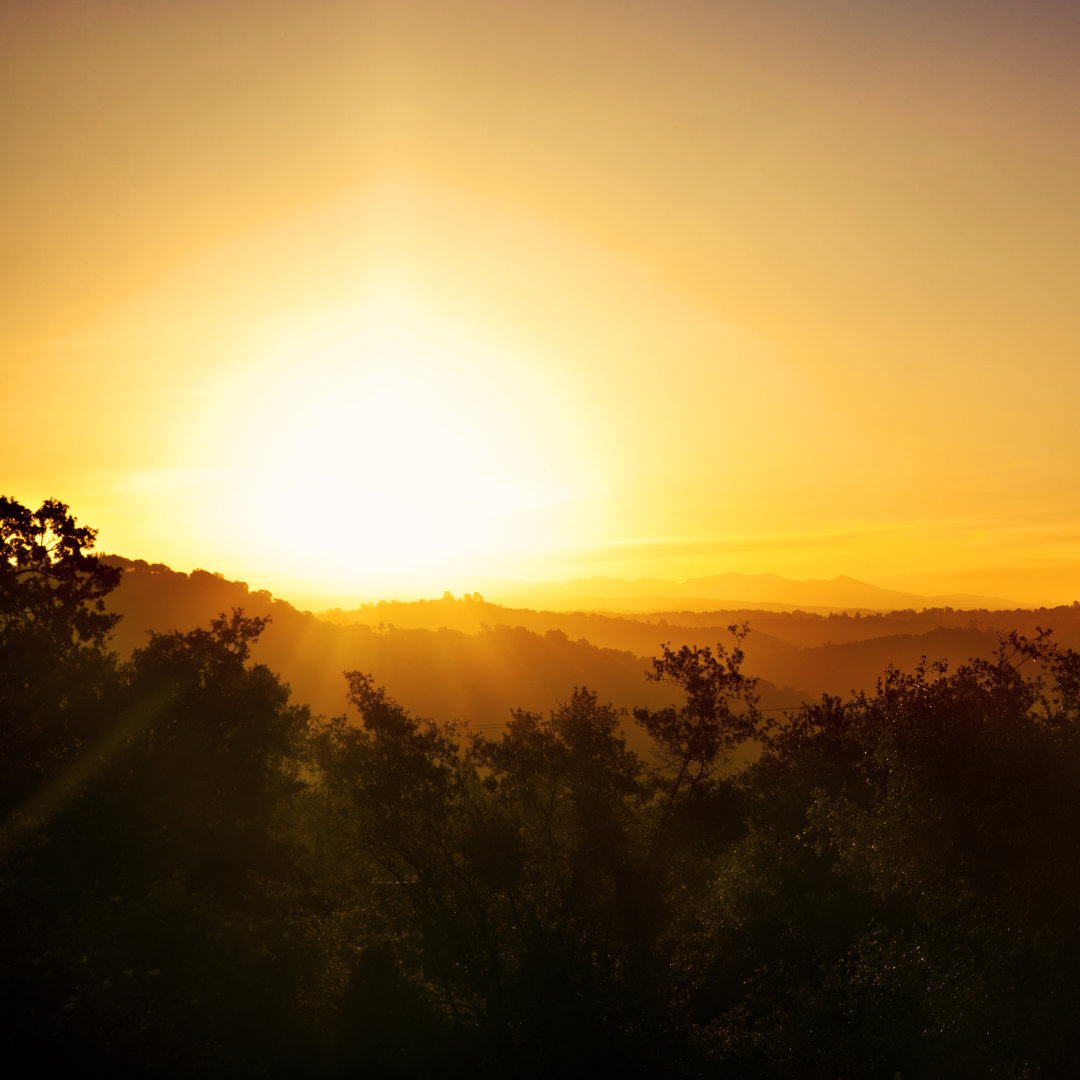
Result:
[[385, 298]]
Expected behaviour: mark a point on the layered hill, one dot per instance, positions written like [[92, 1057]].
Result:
[[467, 658], [434, 670]]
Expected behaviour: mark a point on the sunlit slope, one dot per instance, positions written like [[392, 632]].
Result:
[[467, 658], [816, 653], [440, 672]]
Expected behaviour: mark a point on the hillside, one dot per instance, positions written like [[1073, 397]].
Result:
[[813, 653], [465, 657], [433, 670]]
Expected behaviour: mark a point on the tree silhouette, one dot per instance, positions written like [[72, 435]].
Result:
[[51, 588], [53, 629], [719, 712]]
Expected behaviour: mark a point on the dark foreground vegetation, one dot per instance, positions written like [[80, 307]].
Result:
[[199, 878]]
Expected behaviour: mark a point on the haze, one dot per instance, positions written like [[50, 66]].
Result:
[[390, 297]]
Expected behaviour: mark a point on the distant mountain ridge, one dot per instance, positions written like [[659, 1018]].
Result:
[[731, 590]]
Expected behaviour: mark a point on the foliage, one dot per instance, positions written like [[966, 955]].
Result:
[[904, 875], [719, 712], [196, 876], [147, 885], [212, 750], [522, 884], [50, 587], [54, 671]]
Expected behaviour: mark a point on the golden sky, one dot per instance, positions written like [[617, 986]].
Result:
[[394, 296]]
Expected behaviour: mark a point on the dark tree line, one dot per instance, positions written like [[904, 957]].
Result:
[[197, 876]]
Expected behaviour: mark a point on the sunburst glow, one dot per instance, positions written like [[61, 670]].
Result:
[[377, 444]]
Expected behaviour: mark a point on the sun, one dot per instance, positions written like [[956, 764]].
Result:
[[375, 445]]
